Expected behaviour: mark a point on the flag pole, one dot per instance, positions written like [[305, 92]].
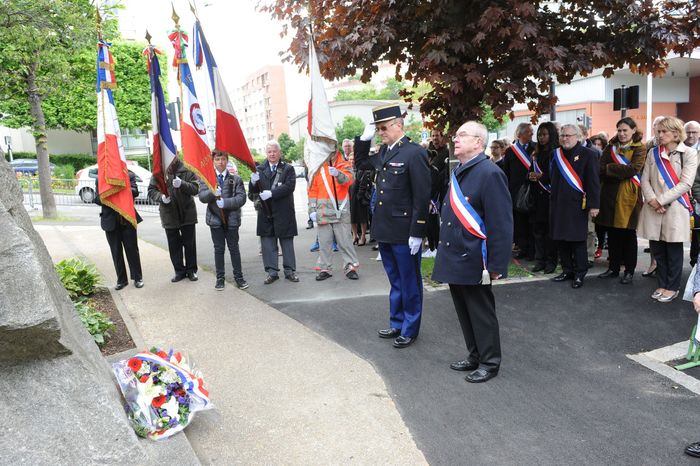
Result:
[[176, 20]]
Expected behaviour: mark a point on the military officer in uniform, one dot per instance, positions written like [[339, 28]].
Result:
[[398, 224], [472, 254]]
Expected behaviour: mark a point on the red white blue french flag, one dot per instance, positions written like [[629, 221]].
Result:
[[195, 146], [164, 151], [113, 176], [229, 135]]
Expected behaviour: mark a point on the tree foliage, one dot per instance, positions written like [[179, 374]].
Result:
[[350, 127], [286, 143], [498, 53]]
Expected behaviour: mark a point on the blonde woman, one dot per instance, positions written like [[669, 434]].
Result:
[[667, 177]]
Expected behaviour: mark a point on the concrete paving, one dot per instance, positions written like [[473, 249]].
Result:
[[283, 393]]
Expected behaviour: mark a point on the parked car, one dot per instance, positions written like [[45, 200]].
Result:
[[299, 171], [28, 166], [85, 182]]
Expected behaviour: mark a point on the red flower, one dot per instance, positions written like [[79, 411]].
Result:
[[162, 354], [178, 356], [143, 379], [134, 364], [158, 401]]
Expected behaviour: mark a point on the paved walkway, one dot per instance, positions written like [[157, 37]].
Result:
[[283, 393]]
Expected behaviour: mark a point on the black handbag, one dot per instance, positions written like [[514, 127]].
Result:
[[525, 199]]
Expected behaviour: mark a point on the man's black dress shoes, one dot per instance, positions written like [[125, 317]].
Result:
[[609, 274], [693, 450], [138, 283], [550, 268], [563, 277], [481, 375], [192, 276], [119, 286], [271, 279], [577, 283], [389, 333], [402, 341], [627, 278], [177, 278], [538, 268], [292, 277], [465, 365]]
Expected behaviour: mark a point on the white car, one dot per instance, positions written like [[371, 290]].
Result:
[[85, 182]]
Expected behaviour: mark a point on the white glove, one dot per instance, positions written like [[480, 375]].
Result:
[[254, 177], [333, 171], [165, 199], [218, 191], [415, 244], [368, 135], [265, 195], [220, 203], [313, 217], [176, 182]]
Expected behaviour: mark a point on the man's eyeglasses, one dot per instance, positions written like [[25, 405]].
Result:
[[562, 135], [465, 135], [385, 127]]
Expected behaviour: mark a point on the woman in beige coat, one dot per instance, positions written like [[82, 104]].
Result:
[[664, 221]]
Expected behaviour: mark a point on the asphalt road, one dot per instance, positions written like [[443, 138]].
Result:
[[566, 392]]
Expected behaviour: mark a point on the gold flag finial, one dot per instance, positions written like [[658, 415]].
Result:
[[193, 9], [175, 17], [148, 37]]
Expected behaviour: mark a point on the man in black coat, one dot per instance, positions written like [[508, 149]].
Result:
[[516, 164], [460, 257], [569, 207], [178, 215], [274, 181], [399, 222], [122, 235]]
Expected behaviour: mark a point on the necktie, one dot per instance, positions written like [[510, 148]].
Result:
[[221, 181], [273, 168]]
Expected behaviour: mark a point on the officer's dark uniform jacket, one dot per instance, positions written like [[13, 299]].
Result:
[[403, 192], [459, 259]]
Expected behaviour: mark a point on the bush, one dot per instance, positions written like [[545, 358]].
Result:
[[142, 160], [78, 161], [79, 278], [64, 172], [97, 323]]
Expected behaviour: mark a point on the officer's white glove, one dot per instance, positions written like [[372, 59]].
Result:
[[313, 217], [254, 177], [218, 191], [220, 203], [333, 171], [177, 182], [368, 135], [415, 244], [265, 195], [165, 199]]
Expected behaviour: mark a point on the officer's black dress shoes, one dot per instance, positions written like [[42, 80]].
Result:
[[550, 268], [389, 333], [192, 276], [537, 268], [177, 278], [138, 283], [609, 274], [563, 277], [693, 450], [271, 279], [402, 341], [627, 278], [119, 286], [465, 365], [481, 375], [577, 283]]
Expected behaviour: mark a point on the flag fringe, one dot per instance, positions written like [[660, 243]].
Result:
[[199, 174], [121, 212]]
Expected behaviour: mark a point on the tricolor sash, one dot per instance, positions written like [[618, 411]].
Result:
[[622, 160], [471, 221], [569, 174], [538, 170], [670, 177], [521, 154]]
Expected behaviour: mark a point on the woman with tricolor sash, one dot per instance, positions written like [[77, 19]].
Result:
[[621, 197], [666, 216]]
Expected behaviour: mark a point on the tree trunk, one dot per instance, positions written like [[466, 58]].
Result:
[[48, 203]]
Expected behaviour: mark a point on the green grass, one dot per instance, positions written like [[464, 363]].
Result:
[[55, 219], [428, 263]]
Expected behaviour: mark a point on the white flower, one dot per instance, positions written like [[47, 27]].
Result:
[[172, 408], [145, 368], [168, 376]]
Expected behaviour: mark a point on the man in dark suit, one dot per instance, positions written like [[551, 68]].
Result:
[[569, 207], [516, 164], [464, 261], [121, 235], [399, 221], [274, 181]]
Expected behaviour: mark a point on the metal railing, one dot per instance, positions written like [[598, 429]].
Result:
[[75, 193]]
